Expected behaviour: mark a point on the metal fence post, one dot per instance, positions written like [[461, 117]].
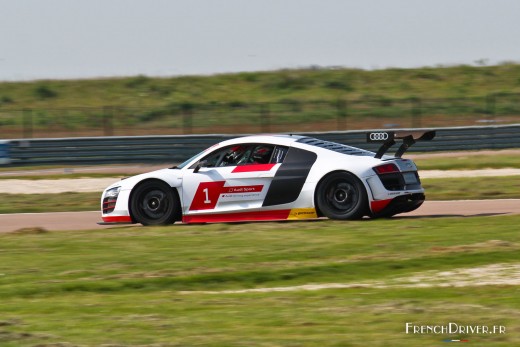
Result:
[[491, 111], [416, 112], [27, 124], [108, 121], [265, 118], [491, 106], [187, 118], [341, 106]]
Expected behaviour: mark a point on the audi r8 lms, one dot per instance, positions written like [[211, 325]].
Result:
[[273, 177]]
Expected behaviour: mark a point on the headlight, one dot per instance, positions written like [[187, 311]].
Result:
[[113, 192], [109, 200]]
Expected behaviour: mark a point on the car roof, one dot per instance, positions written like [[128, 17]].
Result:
[[289, 139], [281, 139]]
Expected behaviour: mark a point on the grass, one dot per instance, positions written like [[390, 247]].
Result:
[[63, 202], [472, 188], [470, 161], [123, 286], [235, 89], [299, 100]]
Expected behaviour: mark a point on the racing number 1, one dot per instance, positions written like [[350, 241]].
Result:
[[206, 191], [207, 195]]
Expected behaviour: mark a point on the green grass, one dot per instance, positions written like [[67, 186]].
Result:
[[237, 88], [303, 84], [472, 188], [63, 202], [469, 162], [123, 286], [300, 100]]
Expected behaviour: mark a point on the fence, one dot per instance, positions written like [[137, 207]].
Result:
[[175, 149], [368, 112]]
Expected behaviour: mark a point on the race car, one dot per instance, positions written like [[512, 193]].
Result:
[[273, 177]]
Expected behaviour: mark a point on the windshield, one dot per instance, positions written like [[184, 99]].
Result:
[[180, 166]]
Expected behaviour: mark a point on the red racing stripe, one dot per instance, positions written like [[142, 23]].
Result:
[[117, 219], [237, 217], [253, 168]]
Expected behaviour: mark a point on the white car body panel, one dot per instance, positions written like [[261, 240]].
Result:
[[217, 193]]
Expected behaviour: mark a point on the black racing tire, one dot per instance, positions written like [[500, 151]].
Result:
[[154, 203], [341, 195]]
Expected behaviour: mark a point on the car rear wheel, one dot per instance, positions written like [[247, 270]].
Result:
[[154, 203], [341, 195]]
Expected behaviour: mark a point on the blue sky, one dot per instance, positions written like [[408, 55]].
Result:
[[61, 39]]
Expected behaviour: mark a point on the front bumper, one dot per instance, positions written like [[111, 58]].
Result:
[[114, 209], [116, 220]]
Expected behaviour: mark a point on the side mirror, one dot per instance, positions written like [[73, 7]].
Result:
[[199, 165]]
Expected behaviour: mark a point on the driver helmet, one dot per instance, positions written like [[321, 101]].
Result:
[[262, 154]]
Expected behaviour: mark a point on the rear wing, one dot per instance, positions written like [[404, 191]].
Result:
[[388, 139]]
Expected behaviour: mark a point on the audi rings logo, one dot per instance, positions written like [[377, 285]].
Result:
[[378, 136]]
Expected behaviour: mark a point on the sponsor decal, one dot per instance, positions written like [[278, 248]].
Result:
[[242, 189], [208, 194], [302, 213]]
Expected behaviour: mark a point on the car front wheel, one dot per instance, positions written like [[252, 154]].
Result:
[[154, 203]]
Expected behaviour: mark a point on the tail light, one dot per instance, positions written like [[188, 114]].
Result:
[[386, 169]]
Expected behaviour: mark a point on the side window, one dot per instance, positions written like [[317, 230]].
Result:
[[257, 154], [236, 155], [246, 154], [228, 156], [214, 158]]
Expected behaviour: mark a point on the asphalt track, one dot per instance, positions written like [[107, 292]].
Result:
[[87, 220]]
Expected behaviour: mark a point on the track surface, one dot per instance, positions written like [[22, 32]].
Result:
[[88, 220]]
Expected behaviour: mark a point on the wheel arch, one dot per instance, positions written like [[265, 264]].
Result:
[[153, 179]]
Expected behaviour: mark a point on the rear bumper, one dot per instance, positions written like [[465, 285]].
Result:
[[400, 204]]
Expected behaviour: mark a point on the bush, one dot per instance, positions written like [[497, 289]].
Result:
[[137, 81], [43, 92], [4, 100], [339, 85]]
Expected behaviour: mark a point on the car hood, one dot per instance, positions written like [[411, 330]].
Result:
[[173, 177]]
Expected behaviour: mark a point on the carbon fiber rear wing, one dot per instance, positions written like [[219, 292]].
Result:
[[388, 139]]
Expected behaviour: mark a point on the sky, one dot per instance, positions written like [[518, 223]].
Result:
[[65, 39]]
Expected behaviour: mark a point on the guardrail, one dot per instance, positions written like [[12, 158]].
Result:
[[175, 149]]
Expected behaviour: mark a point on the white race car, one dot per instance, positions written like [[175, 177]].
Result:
[[273, 177]]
